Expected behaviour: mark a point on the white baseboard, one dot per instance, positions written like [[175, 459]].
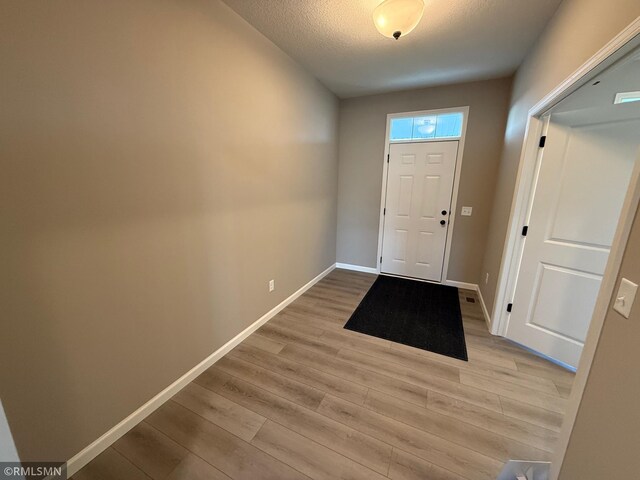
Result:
[[98, 446], [356, 268], [487, 316], [463, 285], [475, 288]]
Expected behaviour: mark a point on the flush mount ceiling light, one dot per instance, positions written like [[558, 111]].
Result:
[[395, 18]]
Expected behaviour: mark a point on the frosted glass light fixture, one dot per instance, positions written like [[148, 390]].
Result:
[[395, 18]]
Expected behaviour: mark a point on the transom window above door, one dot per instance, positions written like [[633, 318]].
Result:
[[426, 127]]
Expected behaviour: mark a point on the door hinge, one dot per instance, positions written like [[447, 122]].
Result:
[[387, 158], [384, 211], [525, 230], [380, 259], [510, 307], [543, 140]]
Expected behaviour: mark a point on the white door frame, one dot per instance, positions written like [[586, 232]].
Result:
[[456, 177], [514, 244]]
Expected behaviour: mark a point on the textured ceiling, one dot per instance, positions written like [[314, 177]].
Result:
[[457, 40]]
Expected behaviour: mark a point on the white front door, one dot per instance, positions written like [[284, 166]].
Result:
[[582, 178], [419, 187]]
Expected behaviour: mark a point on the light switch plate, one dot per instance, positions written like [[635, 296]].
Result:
[[625, 297], [466, 211]]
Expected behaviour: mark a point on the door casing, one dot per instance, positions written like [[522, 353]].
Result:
[[456, 183]]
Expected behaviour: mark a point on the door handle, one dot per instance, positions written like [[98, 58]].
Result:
[[443, 222]]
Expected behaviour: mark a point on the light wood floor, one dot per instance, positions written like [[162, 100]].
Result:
[[304, 398]]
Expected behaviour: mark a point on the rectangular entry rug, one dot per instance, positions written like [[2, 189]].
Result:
[[419, 314]]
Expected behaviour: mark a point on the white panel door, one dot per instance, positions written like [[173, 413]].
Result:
[[582, 179], [419, 187]]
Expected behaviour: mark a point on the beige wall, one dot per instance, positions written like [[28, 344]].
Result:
[[577, 31], [606, 434], [161, 161], [362, 132]]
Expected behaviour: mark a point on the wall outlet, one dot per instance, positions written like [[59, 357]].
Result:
[[486, 278], [466, 211], [272, 285]]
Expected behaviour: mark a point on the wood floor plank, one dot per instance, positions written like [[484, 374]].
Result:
[[273, 382], [305, 328], [345, 288], [314, 312], [405, 466], [350, 339], [509, 427], [429, 382], [325, 431], [353, 373], [320, 309], [285, 335], [431, 448], [341, 274], [291, 319], [507, 350], [467, 435], [345, 284], [150, 450], [309, 457], [473, 319], [398, 364], [228, 453], [194, 468], [339, 305], [476, 336], [515, 392], [338, 298], [418, 358], [507, 371], [563, 390], [472, 363], [476, 353], [384, 352], [263, 343], [303, 374], [516, 377], [110, 465], [325, 309], [552, 372], [302, 300], [532, 414], [229, 415]]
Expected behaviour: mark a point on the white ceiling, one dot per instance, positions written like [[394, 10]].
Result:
[[456, 40]]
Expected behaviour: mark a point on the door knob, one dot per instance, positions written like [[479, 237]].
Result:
[[442, 222], [444, 212]]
